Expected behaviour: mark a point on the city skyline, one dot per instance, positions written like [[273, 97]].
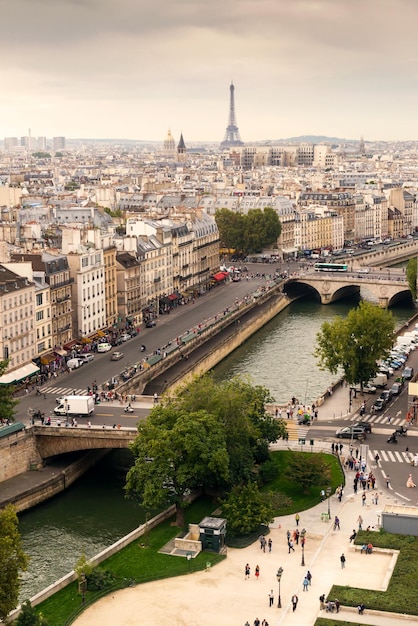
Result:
[[132, 70]]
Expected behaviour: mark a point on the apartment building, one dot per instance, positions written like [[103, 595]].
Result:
[[88, 291], [17, 310]]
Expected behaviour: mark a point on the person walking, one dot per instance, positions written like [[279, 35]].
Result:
[[297, 518], [363, 499], [360, 522], [387, 480], [309, 577], [290, 546], [270, 544], [257, 571], [295, 601], [305, 584], [271, 598], [337, 605], [322, 602], [342, 560], [247, 571], [336, 523]]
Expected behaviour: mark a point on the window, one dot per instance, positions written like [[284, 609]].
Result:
[[84, 262], [39, 299]]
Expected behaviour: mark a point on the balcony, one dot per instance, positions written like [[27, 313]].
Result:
[[62, 299], [64, 328], [62, 284], [157, 279]]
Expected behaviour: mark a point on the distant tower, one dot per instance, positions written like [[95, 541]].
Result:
[[169, 143], [181, 150], [361, 147], [232, 137]]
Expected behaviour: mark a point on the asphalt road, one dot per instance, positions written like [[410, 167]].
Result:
[[168, 328]]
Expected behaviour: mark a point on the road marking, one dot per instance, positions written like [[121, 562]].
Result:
[[399, 457], [398, 413], [384, 455], [401, 496], [391, 456], [104, 414]]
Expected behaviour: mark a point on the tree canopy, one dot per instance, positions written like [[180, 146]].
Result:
[[411, 276], [248, 233], [13, 560], [7, 401], [246, 509], [209, 436], [356, 343]]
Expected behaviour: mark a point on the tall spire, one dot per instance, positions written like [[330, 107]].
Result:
[[232, 136]]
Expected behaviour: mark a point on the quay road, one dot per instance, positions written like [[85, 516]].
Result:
[[169, 326]]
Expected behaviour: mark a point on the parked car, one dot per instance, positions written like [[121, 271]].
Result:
[[366, 425], [150, 324], [379, 404], [125, 337], [408, 373], [86, 358], [396, 389], [116, 356], [73, 364], [367, 388], [351, 432]]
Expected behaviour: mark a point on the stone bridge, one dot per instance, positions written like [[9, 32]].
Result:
[[54, 440], [333, 287]]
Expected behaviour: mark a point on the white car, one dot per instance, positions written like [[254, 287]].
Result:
[[125, 337], [86, 358]]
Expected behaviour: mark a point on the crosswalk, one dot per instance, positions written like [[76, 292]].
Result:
[[391, 456], [64, 391], [295, 431], [379, 419]]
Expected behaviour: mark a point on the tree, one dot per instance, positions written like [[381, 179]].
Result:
[[307, 470], [411, 275], [246, 509], [248, 233], [13, 560], [356, 343], [29, 616], [240, 407], [7, 401], [176, 452]]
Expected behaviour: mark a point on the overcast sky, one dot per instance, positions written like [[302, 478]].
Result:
[[135, 68]]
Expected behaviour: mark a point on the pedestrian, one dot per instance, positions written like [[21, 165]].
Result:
[[309, 577], [295, 601], [290, 546], [341, 448], [256, 622], [336, 523], [342, 559], [360, 521], [271, 598], [322, 602], [376, 498], [297, 534], [264, 623], [297, 518], [363, 499], [305, 584], [270, 544], [332, 448], [257, 571], [322, 495], [353, 535], [377, 458], [387, 480], [288, 535], [247, 571], [337, 605], [155, 398]]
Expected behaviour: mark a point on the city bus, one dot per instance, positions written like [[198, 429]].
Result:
[[330, 267]]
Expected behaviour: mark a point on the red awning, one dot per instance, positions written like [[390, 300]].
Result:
[[220, 276], [173, 296]]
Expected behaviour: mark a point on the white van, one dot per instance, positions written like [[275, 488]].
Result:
[[103, 347], [73, 364]]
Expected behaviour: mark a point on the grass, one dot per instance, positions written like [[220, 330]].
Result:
[[295, 499], [400, 596], [141, 562], [323, 621]]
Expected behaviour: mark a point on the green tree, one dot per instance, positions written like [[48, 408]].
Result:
[[246, 509], [411, 276], [30, 617], [176, 452], [41, 155], [7, 401], [240, 407], [13, 560], [356, 342], [307, 470], [248, 233]]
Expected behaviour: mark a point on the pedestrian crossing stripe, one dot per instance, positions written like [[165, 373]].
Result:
[[378, 419], [391, 456], [64, 391]]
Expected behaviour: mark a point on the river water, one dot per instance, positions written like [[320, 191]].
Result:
[[93, 513]]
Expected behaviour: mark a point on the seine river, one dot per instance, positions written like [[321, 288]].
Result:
[[93, 513]]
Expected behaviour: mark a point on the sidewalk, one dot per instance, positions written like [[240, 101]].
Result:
[[223, 595]]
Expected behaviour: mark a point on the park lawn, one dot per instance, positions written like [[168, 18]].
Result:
[[400, 596], [294, 498], [139, 562], [324, 621]]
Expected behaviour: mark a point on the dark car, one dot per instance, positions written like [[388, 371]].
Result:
[[366, 425], [150, 324], [386, 395], [351, 432], [396, 389]]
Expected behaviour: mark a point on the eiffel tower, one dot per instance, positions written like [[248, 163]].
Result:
[[232, 137]]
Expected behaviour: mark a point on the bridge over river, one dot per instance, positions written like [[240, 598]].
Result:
[[332, 286], [53, 440]]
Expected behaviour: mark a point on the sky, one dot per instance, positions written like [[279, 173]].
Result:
[[133, 69]]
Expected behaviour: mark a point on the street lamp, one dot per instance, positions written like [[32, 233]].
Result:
[[279, 577], [328, 496], [302, 541]]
